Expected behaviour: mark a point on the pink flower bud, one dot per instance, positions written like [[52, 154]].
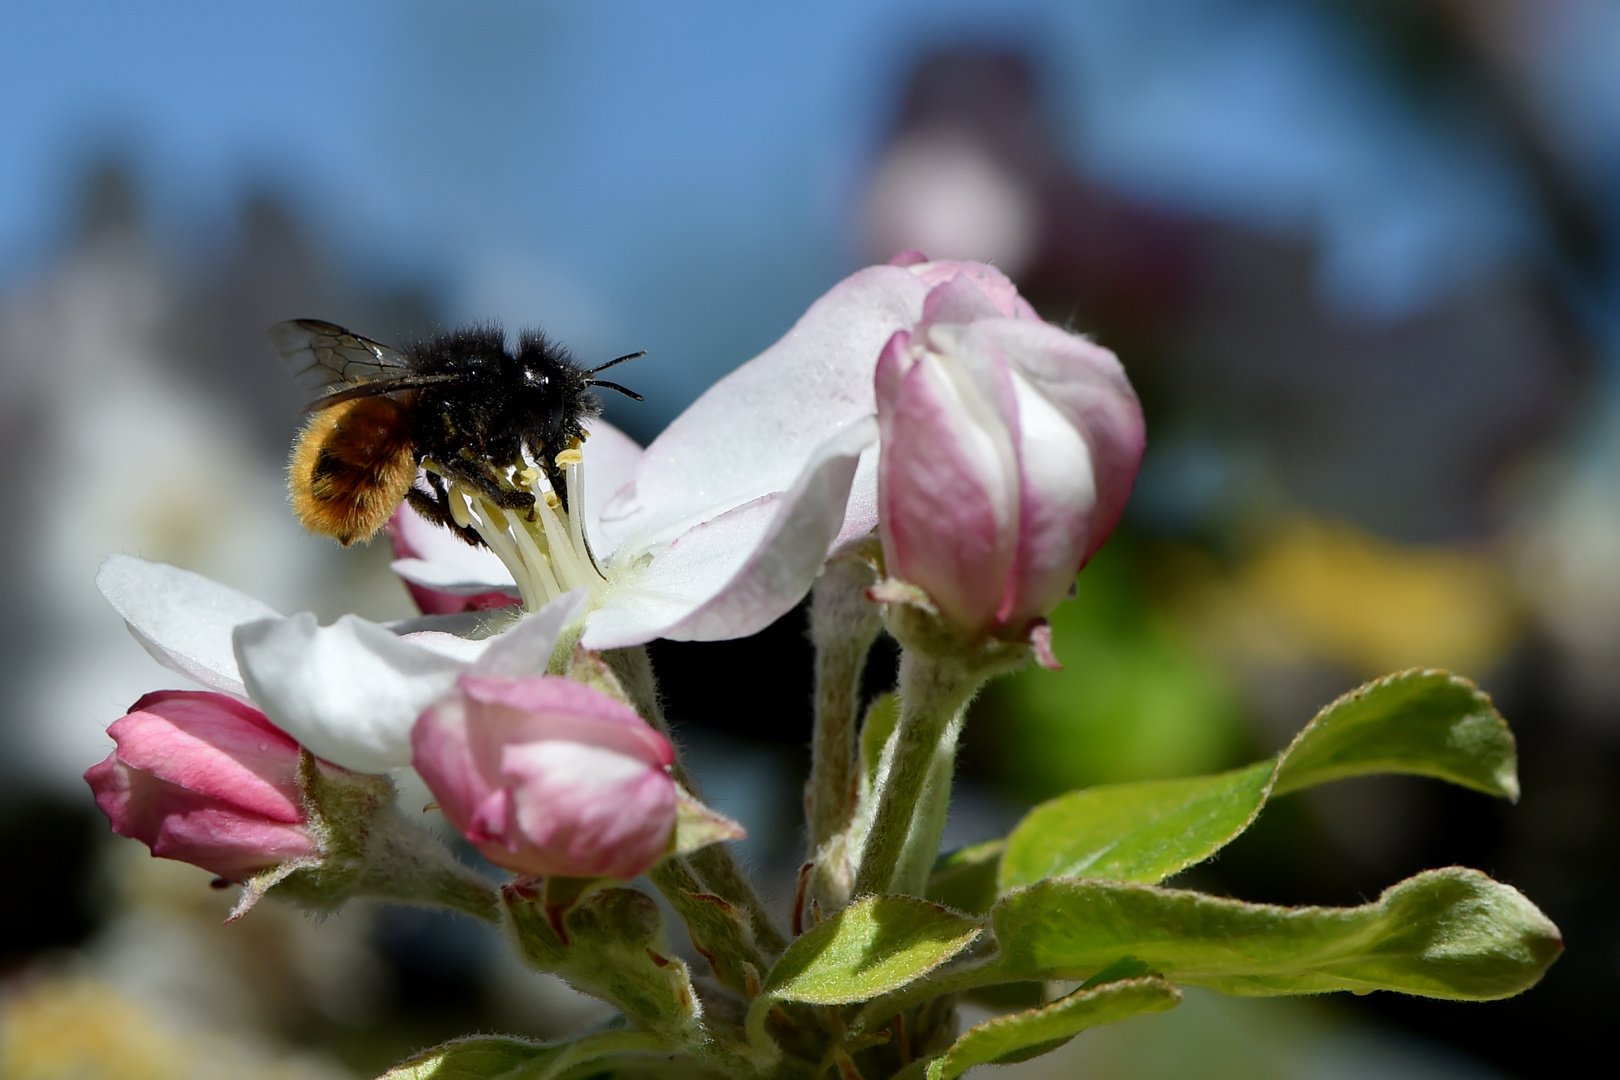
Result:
[[995, 286], [205, 779], [549, 776], [1009, 447]]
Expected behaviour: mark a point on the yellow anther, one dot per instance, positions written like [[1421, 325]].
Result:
[[570, 456], [528, 476], [552, 500]]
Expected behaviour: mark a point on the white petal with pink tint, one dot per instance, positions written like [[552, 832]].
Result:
[[183, 619], [735, 574], [350, 691], [755, 431], [1009, 448]]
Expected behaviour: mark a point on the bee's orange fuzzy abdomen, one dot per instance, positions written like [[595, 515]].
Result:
[[351, 467]]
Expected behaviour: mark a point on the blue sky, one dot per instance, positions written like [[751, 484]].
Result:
[[680, 177]]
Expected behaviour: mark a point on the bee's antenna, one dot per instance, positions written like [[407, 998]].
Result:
[[617, 360], [626, 391]]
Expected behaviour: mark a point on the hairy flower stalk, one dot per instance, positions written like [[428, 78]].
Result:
[[689, 881], [843, 625], [913, 784]]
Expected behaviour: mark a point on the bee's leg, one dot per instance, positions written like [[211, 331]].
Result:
[[435, 506], [489, 484]]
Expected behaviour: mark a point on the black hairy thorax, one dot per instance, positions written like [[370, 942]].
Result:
[[502, 403]]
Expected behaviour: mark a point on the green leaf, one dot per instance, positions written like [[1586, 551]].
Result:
[[1126, 967], [1020, 1036], [872, 947], [1451, 933], [518, 1059], [869, 948], [1134, 832], [470, 1059], [1430, 723], [965, 879]]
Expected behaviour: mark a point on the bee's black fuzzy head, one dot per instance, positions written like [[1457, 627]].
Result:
[[501, 401]]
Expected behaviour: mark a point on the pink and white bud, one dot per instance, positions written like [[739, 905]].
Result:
[[996, 286], [547, 776], [1009, 447], [205, 779]]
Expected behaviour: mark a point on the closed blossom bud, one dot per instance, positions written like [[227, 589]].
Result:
[[547, 776], [1009, 447], [204, 779]]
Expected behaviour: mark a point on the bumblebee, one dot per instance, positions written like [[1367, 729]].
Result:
[[474, 409]]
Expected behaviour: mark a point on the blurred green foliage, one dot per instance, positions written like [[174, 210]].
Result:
[[1135, 700]]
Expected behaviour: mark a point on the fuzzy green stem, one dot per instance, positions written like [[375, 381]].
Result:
[[916, 772], [409, 864], [633, 668], [843, 625], [719, 931], [921, 849]]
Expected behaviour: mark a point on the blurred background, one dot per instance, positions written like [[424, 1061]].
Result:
[[1358, 256]]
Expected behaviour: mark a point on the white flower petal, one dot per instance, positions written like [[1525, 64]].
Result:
[[350, 691], [736, 574], [183, 619], [467, 625], [526, 648], [754, 432], [611, 458], [460, 649], [455, 573], [861, 515]]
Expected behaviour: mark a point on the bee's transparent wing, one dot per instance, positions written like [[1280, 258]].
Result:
[[324, 358]]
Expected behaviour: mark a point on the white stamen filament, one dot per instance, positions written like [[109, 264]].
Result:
[[501, 544], [547, 556], [534, 560], [574, 478]]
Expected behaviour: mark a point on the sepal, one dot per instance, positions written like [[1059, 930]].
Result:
[[609, 943], [367, 848], [698, 826]]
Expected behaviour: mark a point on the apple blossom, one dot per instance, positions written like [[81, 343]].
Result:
[[721, 525], [549, 776], [1009, 447], [205, 779]]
